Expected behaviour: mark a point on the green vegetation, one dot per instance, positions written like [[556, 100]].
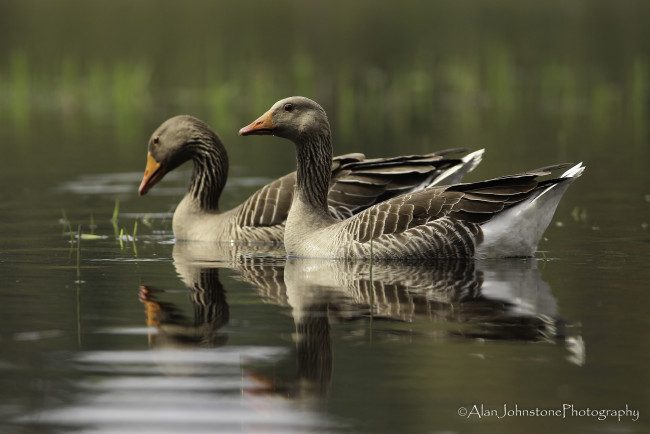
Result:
[[79, 254], [550, 81], [493, 86], [116, 212], [397, 70], [121, 234]]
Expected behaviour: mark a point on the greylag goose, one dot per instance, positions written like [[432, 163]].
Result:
[[356, 183], [503, 217]]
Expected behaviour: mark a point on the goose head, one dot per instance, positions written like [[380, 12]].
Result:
[[295, 118], [174, 142]]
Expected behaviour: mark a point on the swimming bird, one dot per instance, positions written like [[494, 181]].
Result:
[[355, 183], [502, 217]]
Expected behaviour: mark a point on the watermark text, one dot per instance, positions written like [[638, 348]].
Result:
[[480, 411]]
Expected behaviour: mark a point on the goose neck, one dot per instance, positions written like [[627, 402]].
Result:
[[314, 162], [210, 173]]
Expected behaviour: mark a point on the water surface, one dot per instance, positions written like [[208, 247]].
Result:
[[152, 335], [201, 338]]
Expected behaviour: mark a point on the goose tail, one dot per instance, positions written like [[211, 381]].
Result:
[[516, 231], [455, 175]]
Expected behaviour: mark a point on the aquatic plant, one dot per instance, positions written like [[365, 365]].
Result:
[[121, 234]]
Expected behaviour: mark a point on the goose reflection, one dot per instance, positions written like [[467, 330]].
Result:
[[505, 299], [197, 265], [496, 300], [174, 329]]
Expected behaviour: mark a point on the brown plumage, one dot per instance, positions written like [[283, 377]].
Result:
[[494, 218], [355, 184]]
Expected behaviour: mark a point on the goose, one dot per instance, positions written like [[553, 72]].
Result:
[[356, 183], [502, 217]]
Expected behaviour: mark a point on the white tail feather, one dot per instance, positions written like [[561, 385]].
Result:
[[518, 230], [574, 172], [455, 174]]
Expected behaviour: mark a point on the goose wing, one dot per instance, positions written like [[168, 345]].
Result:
[[268, 206], [358, 183], [470, 203]]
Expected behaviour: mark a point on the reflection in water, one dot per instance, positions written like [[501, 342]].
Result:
[[194, 379], [197, 264], [504, 300], [495, 299], [259, 264], [506, 293], [174, 330]]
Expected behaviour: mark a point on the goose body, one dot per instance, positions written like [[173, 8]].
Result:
[[355, 184], [502, 217]]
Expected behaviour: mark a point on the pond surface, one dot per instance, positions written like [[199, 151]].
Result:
[[110, 334], [158, 336]]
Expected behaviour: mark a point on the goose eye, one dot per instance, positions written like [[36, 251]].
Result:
[[288, 107], [156, 140]]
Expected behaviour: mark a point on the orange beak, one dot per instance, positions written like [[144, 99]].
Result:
[[262, 126], [152, 174]]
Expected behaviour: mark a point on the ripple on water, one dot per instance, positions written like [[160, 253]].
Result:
[[205, 390]]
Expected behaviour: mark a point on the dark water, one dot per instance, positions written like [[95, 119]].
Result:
[[150, 335], [186, 337]]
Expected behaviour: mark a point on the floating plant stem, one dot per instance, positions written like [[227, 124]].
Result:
[[79, 286], [120, 238], [78, 254], [124, 238], [116, 210], [135, 231], [69, 226]]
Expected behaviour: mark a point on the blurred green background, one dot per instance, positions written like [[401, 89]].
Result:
[[565, 78]]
